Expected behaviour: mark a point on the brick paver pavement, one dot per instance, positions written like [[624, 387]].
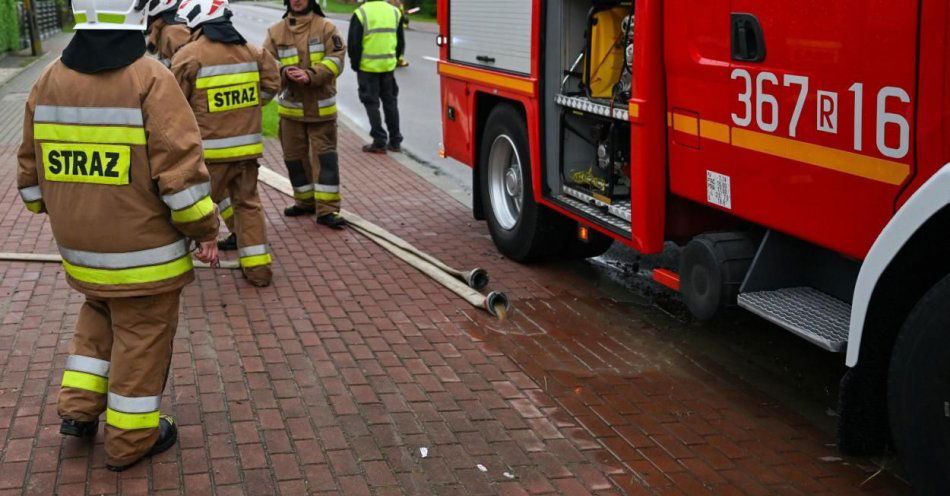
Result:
[[333, 379]]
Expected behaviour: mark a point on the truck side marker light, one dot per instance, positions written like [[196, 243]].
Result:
[[667, 278], [583, 233]]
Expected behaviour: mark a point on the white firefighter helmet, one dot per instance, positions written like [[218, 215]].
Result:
[[156, 7], [197, 12], [110, 14]]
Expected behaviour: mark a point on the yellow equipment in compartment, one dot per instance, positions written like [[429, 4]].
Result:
[[606, 56]]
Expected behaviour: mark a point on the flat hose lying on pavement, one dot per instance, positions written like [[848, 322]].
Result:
[[495, 303], [43, 257], [476, 278]]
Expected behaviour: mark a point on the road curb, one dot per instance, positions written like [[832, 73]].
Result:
[[421, 168], [20, 70]]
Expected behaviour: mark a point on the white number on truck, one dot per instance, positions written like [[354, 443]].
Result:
[[766, 110]]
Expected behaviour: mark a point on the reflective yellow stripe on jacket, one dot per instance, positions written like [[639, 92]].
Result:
[[234, 147], [136, 267], [288, 55], [122, 126], [32, 197], [191, 204]]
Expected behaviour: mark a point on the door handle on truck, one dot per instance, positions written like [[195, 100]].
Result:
[[485, 58], [748, 41]]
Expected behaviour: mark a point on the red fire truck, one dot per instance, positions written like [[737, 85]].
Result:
[[795, 150]]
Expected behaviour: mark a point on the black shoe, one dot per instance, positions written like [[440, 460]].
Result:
[[374, 148], [167, 435], [333, 220], [394, 147], [297, 211], [79, 429], [229, 243]]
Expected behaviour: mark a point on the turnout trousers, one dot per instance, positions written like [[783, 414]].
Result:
[[373, 88], [118, 363], [312, 163], [234, 190]]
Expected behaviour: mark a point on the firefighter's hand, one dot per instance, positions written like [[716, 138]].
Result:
[[208, 252], [298, 75]]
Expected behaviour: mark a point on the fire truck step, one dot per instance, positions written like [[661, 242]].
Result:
[[616, 216], [617, 111], [811, 314]]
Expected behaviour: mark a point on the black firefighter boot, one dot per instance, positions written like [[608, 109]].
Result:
[[332, 220], [167, 435], [78, 428]]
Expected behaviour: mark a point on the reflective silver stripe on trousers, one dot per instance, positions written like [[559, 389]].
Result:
[[89, 115], [252, 251], [126, 404], [225, 204], [31, 194], [379, 57], [286, 52], [324, 188], [88, 365], [220, 70], [142, 258], [247, 139], [187, 197], [306, 188], [329, 102]]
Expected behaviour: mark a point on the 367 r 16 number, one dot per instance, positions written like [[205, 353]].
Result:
[[763, 107]]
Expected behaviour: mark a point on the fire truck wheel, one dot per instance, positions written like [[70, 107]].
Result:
[[919, 392], [521, 229], [712, 268]]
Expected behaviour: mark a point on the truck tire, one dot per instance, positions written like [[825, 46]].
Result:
[[919, 392], [712, 269], [521, 229]]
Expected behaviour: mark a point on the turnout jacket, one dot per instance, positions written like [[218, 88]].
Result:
[[226, 85], [165, 39], [313, 43], [115, 159]]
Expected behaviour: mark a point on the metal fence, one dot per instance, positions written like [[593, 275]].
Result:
[[48, 20]]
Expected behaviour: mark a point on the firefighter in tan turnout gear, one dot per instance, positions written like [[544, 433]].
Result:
[[112, 154], [311, 53], [165, 34], [226, 80]]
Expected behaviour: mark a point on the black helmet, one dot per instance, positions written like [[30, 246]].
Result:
[[313, 6]]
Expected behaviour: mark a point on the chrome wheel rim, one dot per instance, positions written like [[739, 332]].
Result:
[[506, 187]]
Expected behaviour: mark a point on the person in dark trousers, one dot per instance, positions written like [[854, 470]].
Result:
[[376, 42]]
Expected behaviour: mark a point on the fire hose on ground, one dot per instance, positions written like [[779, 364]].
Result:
[[495, 302]]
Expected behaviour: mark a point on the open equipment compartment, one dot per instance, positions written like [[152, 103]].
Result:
[[587, 103]]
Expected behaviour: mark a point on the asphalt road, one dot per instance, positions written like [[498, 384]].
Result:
[[419, 104]]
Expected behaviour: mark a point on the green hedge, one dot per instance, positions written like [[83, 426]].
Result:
[[9, 26]]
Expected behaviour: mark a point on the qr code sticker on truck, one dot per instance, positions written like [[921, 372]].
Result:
[[718, 189]]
